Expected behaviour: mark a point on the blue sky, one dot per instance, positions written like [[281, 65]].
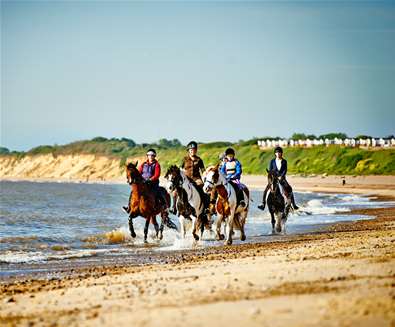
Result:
[[207, 71]]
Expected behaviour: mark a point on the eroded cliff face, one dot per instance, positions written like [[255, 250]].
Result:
[[81, 167]]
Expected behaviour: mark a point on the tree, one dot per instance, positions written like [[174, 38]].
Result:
[[99, 139], [332, 136], [298, 136], [130, 142], [4, 150]]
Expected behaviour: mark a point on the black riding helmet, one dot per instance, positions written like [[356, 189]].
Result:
[[229, 151], [278, 149], [192, 145]]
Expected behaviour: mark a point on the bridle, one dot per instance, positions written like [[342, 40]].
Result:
[[133, 180], [273, 184]]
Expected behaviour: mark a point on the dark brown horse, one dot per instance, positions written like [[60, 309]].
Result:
[[146, 202], [277, 204]]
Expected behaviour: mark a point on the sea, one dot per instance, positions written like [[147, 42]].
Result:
[[49, 226]]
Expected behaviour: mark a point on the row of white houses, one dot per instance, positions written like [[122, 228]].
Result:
[[371, 142]]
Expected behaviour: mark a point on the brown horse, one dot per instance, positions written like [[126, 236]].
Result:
[[145, 202]]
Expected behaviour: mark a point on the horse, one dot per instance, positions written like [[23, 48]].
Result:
[[144, 202], [190, 202], [277, 203], [227, 206]]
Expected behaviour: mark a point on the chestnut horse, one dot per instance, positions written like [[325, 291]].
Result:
[[144, 202], [227, 206]]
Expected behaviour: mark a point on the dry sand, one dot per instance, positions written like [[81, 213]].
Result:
[[341, 276]]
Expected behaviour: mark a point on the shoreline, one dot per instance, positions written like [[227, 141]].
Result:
[[374, 184], [341, 274]]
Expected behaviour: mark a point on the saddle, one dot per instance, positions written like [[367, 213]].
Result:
[[239, 192], [205, 197]]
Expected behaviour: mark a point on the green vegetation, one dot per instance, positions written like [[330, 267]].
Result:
[[4, 150], [315, 160]]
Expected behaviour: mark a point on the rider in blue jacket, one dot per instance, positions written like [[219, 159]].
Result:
[[231, 168]]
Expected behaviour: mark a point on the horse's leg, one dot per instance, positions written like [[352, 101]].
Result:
[[242, 219], [161, 229], [156, 226], [181, 220], [131, 227], [194, 227], [202, 225], [273, 221], [147, 220], [283, 221], [279, 216], [219, 223], [230, 228]]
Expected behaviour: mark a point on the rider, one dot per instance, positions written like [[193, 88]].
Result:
[[231, 168], [193, 166], [150, 171], [279, 165]]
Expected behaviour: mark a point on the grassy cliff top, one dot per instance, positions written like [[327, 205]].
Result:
[[315, 160]]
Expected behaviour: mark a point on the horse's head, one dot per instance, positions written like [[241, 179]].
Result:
[[174, 178], [212, 178], [132, 173], [272, 179]]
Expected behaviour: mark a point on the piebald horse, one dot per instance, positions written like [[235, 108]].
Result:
[[177, 180], [226, 206]]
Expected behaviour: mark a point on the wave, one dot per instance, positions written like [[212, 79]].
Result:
[[37, 256]]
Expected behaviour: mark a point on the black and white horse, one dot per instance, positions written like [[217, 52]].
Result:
[[190, 202]]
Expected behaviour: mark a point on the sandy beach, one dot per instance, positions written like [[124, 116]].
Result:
[[343, 274]]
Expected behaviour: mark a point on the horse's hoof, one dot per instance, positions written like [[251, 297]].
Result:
[[160, 236], [196, 237], [228, 242], [243, 237], [220, 237], [133, 234]]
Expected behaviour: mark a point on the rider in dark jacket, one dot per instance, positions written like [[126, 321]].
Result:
[[279, 165], [193, 166]]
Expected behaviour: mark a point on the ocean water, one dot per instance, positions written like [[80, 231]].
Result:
[[46, 223]]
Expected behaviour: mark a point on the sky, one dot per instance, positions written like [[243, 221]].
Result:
[[204, 71]]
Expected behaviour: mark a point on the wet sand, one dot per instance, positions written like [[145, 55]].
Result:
[[383, 186], [343, 274]]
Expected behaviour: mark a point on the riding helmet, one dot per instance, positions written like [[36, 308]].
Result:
[[192, 145], [278, 149], [151, 152], [229, 151]]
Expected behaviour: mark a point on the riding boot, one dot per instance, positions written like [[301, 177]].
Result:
[[263, 205], [293, 202], [127, 208]]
